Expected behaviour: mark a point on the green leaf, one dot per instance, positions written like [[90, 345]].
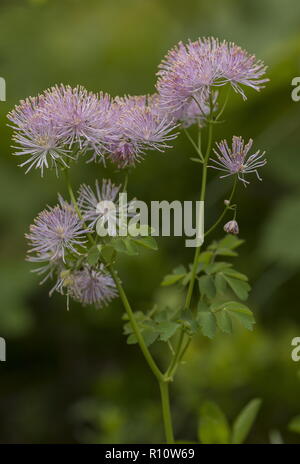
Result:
[[124, 245], [207, 320], [177, 274], [119, 245], [205, 257], [207, 286], [147, 329], [179, 270], [220, 283], [93, 255], [217, 267], [131, 247], [149, 336], [294, 425], [167, 329], [235, 274], [213, 426], [230, 242], [244, 421], [202, 307], [238, 310], [226, 246], [131, 340], [107, 252], [171, 279], [240, 288], [147, 242], [186, 278], [226, 252], [189, 322], [224, 321]]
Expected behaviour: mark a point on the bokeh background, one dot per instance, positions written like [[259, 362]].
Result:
[[69, 376]]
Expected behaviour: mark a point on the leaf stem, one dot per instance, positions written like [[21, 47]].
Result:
[[202, 197], [162, 380], [224, 211], [197, 148], [179, 353], [165, 401], [153, 366]]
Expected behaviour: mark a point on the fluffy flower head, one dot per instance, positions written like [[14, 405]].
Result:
[[92, 286], [103, 206], [192, 69], [236, 160], [56, 231], [140, 125], [82, 117], [37, 138]]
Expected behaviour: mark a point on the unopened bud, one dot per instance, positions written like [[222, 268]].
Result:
[[226, 202], [232, 227]]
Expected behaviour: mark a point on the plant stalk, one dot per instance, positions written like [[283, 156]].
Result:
[[162, 381], [165, 401]]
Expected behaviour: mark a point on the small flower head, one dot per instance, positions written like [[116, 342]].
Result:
[[192, 69], [104, 206], [37, 138], [56, 231], [232, 227], [82, 117], [125, 153], [95, 205], [140, 126], [92, 286], [236, 160], [147, 130]]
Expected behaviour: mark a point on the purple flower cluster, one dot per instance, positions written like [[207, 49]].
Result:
[[65, 120], [81, 117], [92, 286], [140, 125], [55, 232], [36, 137], [64, 123], [96, 205], [190, 71], [58, 242], [235, 160]]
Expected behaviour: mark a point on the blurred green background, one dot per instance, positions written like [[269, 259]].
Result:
[[69, 376]]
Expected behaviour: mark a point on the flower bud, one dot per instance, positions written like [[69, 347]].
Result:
[[232, 227], [226, 202]]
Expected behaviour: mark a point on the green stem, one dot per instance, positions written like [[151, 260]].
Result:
[[162, 380], [158, 374], [165, 401], [224, 211], [147, 355], [171, 369], [197, 148], [224, 106], [179, 353], [202, 197]]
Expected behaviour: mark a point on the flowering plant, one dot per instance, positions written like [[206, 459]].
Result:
[[65, 125]]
